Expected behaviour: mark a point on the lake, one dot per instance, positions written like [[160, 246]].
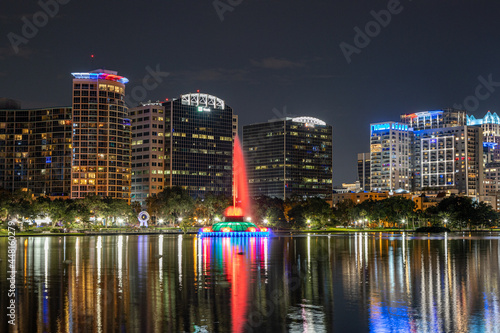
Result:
[[359, 282]]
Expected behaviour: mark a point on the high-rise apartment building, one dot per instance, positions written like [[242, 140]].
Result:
[[35, 150], [101, 136], [288, 157], [364, 171], [443, 153], [491, 133], [390, 151], [449, 158], [199, 132], [148, 150]]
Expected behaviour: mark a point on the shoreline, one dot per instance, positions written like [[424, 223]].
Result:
[[275, 233]]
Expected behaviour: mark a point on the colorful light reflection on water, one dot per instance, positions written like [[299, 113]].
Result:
[[236, 257], [346, 283]]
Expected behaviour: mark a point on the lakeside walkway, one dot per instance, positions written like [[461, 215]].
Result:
[[153, 231]]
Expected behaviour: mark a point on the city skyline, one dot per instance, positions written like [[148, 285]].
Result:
[[243, 166], [429, 56]]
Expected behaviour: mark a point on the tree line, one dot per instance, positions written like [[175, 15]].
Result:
[[174, 206]]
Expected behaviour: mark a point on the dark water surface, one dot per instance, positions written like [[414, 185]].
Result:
[[364, 282]]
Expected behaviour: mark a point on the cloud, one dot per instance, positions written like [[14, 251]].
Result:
[[276, 63]]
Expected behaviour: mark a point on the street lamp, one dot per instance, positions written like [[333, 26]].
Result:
[[249, 219], [266, 221], [160, 221], [445, 221], [309, 223], [404, 226]]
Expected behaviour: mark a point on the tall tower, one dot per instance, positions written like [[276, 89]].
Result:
[[287, 157], [148, 150], [101, 136], [364, 171], [390, 145], [35, 149], [199, 134], [491, 132]]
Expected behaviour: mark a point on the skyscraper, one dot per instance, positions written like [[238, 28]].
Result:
[[441, 151], [287, 157], [148, 150], [199, 130], [390, 145], [35, 150], [490, 124], [449, 158], [101, 136], [364, 171]]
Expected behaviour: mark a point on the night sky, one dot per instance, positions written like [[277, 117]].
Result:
[[266, 59]]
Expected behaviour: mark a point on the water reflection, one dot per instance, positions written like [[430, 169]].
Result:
[[360, 282]]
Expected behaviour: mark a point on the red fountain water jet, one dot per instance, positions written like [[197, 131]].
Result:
[[241, 202]]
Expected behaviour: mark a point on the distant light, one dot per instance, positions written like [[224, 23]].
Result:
[[92, 56], [198, 90], [166, 99]]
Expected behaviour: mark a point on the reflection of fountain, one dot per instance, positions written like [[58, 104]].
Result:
[[240, 271], [234, 223]]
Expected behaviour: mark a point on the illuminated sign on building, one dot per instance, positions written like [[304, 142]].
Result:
[[309, 121], [205, 100], [387, 126], [490, 145], [201, 109], [100, 76]]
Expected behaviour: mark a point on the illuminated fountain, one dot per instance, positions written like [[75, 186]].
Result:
[[234, 224]]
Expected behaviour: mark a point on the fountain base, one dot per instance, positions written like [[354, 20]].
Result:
[[235, 227]]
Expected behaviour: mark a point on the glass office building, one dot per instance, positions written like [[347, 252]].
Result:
[[199, 144], [289, 157], [35, 150], [364, 171]]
